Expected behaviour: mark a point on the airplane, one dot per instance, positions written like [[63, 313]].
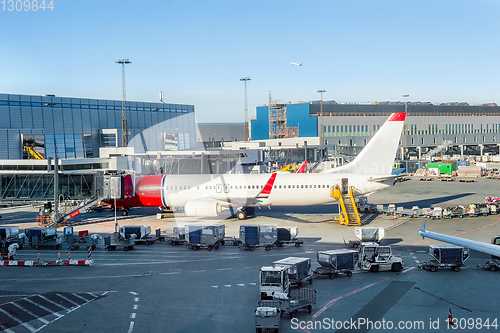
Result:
[[296, 64], [492, 249], [208, 194], [302, 167]]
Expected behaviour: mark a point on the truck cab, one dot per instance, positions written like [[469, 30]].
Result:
[[274, 279]]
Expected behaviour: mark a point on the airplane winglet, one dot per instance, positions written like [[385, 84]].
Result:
[[422, 229], [269, 185]]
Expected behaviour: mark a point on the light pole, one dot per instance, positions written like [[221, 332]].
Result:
[[246, 134], [407, 149], [123, 62], [321, 142]]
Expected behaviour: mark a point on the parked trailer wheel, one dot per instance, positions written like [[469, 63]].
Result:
[[493, 268], [125, 248], [309, 308], [217, 246], [235, 243], [311, 281], [195, 248], [147, 243], [223, 243], [432, 268], [331, 276], [251, 248], [269, 247], [111, 248], [456, 269], [297, 244], [209, 248], [279, 244], [349, 273]]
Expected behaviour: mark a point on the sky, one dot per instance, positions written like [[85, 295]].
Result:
[[358, 51]]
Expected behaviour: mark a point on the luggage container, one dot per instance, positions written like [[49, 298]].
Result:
[[459, 211], [40, 237], [179, 236], [367, 234], [252, 236], [445, 256], [288, 236], [437, 213], [205, 236], [336, 261], [142, 233], [299, 270]]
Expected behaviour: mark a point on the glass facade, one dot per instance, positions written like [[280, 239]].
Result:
[[47, 126]]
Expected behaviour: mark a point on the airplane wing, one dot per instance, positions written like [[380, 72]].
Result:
[[487, 248]]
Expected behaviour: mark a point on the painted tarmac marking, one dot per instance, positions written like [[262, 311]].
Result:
[[28, 326], [224, 269], [132, 292], [131, 327], [30, 313], [169, 273], [215, 286], [333, 301], [67, 300]]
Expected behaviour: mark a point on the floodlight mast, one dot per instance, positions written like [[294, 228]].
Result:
[[123, 62]]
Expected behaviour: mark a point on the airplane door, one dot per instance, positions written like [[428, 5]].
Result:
[[345, 186]]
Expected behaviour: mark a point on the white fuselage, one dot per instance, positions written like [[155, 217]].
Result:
[[288, 189]]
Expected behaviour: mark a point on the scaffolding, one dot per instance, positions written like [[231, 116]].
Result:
[[277, 121]]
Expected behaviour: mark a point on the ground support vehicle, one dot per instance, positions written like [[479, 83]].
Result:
[[334, 262], [366, 234], [204, 236], [41, 237], [253, 236], [83, 239], [448, 213], [445, 256], [273, 279], [9, 236], [299, 270], [116, 240], [472, 211], [459, 211], [483, 209], [288, 236], [364, 206], [375, 258], [267, 316], [491, 264], [291, 305], [437, 213], [493, 208]]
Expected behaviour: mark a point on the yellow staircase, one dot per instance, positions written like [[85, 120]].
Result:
[[348, 211]]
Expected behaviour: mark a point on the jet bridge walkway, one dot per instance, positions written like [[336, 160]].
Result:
[[349, 214]]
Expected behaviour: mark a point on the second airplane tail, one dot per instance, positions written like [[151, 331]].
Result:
[[377, 157]]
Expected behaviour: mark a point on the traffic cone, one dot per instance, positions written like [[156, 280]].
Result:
[[450, 319], [394, 217]]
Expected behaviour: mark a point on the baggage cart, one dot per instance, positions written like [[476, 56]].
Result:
[[366, 234], [459, 211], [117, 240], [83, 239], [334, 262], [267, 316], [291, 305], [205, 236], [253, 236], [445, 256], [491, 264], [10, 235], [288, 236], [472, 211]]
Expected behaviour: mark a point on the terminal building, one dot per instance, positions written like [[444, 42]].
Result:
[[451, 128], [48, 126]]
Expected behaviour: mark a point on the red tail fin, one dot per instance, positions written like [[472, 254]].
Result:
[[302, 167]]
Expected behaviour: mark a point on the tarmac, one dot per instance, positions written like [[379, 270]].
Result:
[[164, 288]]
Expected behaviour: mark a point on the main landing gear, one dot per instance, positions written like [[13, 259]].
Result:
[[243, 213]]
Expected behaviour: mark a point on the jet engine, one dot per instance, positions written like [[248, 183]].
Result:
[[202, 208]]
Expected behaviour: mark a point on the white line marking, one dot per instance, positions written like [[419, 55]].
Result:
[[93, 295], [240, 284], [133, 293], [417, 261], [131, 327], [132, 315], [169, 273], [215, 286], [28, 326], [68, 300], [135, 306], [253, 283], [200, 271], [227, 285], [80, 297], [51, 302], [224, 269], [136, 299], [57, 314], [30, 313]]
